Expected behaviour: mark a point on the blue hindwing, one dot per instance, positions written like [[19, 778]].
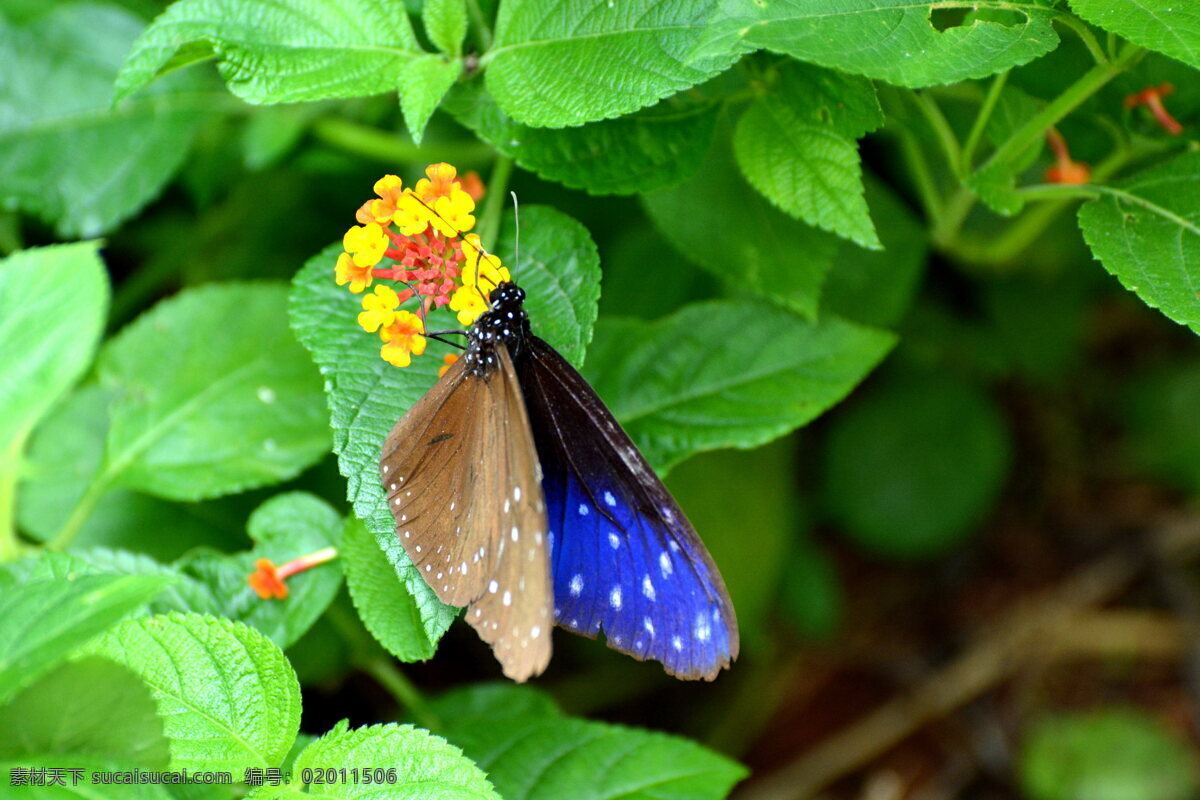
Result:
[[624, 559]]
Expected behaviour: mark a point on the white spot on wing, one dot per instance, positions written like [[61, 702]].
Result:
[[702, 629], [664, 562], [648, 587], [583, 509], [609, 499], [576, 585], [648, 624], [507, 598], [676, 642], [614, 541], [493, 586], [614, 597]]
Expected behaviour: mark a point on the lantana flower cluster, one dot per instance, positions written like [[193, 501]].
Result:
[[418, 238]]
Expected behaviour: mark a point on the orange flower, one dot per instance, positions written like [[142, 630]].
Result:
[[267, 580], [473, 185], [402, 339], [442, 182], [346, 271], [1064, 169], [389, 190], [1151, 97], [447, 362]]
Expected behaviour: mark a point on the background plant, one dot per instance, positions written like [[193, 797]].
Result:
[[732, 214]]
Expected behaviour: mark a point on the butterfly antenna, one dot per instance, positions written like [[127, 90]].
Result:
[[517, 231]]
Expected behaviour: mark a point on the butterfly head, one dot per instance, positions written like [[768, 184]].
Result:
[[505, 322], [507, 295]]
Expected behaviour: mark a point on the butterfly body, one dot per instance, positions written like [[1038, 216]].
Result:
[[517, 494]]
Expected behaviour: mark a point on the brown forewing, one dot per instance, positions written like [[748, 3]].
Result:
[[462, 481]]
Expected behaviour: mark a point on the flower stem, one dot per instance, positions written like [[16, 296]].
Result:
[[981, 120], [941, 128], [1085, 35]]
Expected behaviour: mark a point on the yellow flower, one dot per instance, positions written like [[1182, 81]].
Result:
[[480, 268], [442, 182], [453, 213], [366, 243], [411, 215], [389, 190], [469, 304], [402, 339], [347, 271], [380, 309]]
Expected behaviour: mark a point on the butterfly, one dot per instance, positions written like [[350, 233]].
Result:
[[517, 494]]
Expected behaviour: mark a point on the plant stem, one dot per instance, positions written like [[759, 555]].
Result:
[[369, 142], [1085, 35], [927, 191], [941, 128], [1037, 125], [402, 689], [981, 120], [497, 188], [954, 213]]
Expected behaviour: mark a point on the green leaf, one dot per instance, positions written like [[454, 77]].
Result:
[[528, 756], [423, 83], [226, 695], [654, 148], [446, 24], [46, 348], [89, 707], [877, 287], [425, 765], [720, 223], [213, 395], [793, 145], [42, 621], [931, 453], [285, 527], [1163, 25], [1112, 754], [890, 40], [557, 64], [1147, 233], [373, 567], [721, 374], [64, 456], [78, 164], [279, 51], [481, 703]]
